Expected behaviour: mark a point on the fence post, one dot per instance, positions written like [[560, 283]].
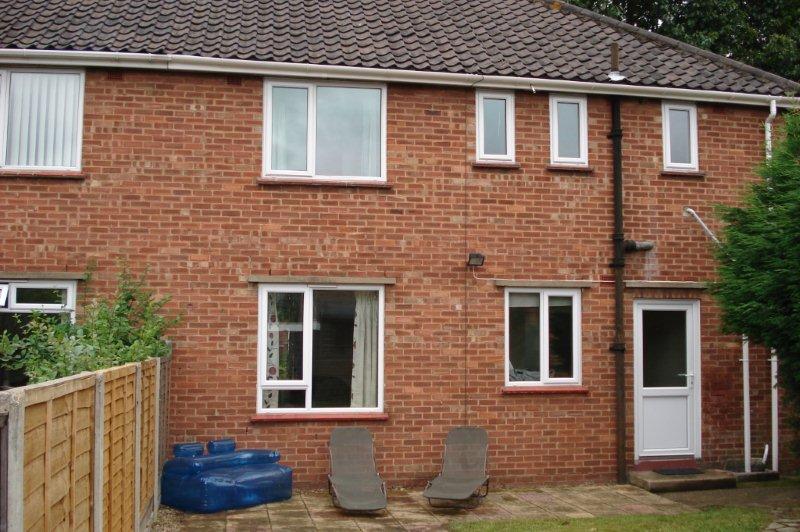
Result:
[[98, 465], [137, 449], [16, 459], [157, 437]]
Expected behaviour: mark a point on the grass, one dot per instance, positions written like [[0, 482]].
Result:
[[711, 520]]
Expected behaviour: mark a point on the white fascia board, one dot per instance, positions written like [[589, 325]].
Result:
[[187, 63]]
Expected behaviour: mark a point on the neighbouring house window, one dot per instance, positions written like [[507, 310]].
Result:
[[495, 126], [18, 299], [569, 142], [326, 131], [320, 348], [41, 115], [680, 136], [543, 338]]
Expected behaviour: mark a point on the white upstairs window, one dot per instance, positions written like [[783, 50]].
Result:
[[680, 136], [41, 119], [325, 131], [569, 131], [495, 126]]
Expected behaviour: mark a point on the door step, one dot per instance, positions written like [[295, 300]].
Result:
[[678, 462], [709, 479]]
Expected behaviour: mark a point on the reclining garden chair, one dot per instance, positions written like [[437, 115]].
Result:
[[463, 478], [354, 482]]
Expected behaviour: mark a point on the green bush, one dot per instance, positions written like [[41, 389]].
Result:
[[129, 327]]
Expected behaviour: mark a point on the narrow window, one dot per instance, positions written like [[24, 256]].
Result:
[[542, 337], [325, 131], [320, 348], [680, 136], [18, 300], [41, 119], [495, 126], [568, 130]]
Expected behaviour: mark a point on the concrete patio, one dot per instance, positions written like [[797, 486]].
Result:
[[312, 510]]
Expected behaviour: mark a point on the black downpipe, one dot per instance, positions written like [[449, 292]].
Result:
[[618, 265]]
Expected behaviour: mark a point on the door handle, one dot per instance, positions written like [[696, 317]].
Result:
[[689, 378]]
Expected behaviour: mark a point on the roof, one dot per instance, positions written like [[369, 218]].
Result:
[[519, 38]]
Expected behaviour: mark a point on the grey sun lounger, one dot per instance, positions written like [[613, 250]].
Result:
[[463, 477], [354, 482]]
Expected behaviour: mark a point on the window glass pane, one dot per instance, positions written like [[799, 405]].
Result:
[[664, 348], [560, 336], [569, 129], [679, 136], [289, 128], [523, 332], [42, 296], [284, 336], [345, 349], [494, 126], [43, 119], [284, 399], [348, 132]]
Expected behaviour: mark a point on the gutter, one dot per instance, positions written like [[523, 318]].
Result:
[[189, 63]]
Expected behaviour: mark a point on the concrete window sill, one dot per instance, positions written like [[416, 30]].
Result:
[[311, 182], [544, 390], [692, 174], [503, 165], [321, 416], [75, 175], [570, 168]]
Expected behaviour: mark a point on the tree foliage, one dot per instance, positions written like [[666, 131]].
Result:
[[759, 260], [129, 327], [765, 33]]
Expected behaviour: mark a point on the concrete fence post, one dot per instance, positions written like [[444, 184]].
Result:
[[157, 437], [137, 449], [98, 465], [16, 460]]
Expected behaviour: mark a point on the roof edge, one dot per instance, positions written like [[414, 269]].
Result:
[[686, 47], [186, 63]]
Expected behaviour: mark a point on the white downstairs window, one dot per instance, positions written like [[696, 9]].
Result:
[[41, 119], [543, 337], [569, 137], [320, 348], [495, 126], [680, 136], [325, 131]]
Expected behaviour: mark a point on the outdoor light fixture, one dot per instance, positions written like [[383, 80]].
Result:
[[475, 260]]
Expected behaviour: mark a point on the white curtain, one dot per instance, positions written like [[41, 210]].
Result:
[[273, 350], [43, 119], [364, 386]]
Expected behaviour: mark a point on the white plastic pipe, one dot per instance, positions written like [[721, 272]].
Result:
[[773, 112], [773, 366], [746, 401]]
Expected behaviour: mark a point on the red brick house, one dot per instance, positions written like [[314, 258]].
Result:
[[308, 180]]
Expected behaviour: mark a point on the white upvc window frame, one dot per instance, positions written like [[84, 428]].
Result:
[[544, 322], [583, 132], [694, 165], [13, 307], [264, 289], [310, 172], [5, 93], [481, 155]]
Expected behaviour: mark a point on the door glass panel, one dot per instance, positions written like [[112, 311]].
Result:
[[284, 336], [523, 337], [664, 348], [560, 336]]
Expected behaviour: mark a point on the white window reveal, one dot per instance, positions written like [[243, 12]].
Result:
[[495, 126], [41, 119], [569, 131], [320, 348], [19, 299], [325, 131], [680, 136], [543, 337]]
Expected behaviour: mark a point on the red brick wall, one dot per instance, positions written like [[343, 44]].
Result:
[[171, 162]]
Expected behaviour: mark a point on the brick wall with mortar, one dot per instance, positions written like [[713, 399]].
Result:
[[171, 163]]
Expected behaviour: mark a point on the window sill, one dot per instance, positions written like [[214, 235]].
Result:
[[578, 168], [506, 165], [321, 416], [683, 173], [544, 390], [42, 174], [312, 182]]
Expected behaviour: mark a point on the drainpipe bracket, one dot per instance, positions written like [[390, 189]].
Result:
[[618, 347]]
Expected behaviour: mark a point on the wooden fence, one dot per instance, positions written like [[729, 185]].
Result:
[[84, 452]]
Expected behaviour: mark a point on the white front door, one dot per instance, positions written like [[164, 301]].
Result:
[[666, 337]]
